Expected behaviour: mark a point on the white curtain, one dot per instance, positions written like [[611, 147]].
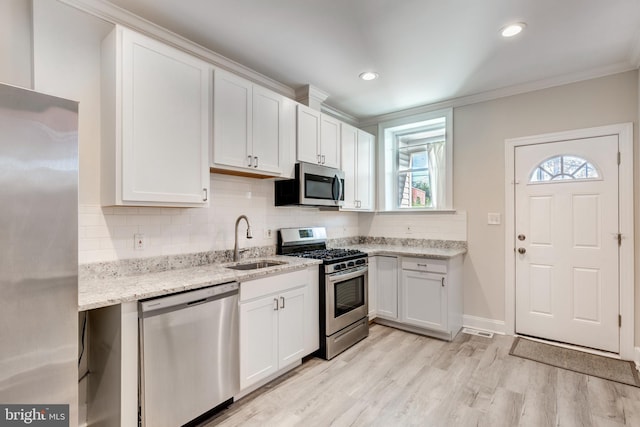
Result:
[[437, 173]]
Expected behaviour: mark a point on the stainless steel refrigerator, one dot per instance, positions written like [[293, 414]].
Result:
[[38, 249]]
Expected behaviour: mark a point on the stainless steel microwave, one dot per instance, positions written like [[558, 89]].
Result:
[[313, 185]]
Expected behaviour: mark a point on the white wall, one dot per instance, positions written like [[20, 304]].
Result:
[[15, 42], [480, 131]]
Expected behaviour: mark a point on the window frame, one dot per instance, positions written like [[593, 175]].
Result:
[[388, 166]]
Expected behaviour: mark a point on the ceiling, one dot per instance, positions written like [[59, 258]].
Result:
[[425, 51]]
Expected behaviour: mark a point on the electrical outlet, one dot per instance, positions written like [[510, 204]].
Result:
[[268, 233], [493, 219], [138, 241]]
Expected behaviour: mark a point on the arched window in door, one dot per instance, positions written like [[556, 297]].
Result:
[[564, 167]]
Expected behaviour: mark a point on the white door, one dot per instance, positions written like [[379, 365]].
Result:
[[566, 224], [291, 326], [258, 340]]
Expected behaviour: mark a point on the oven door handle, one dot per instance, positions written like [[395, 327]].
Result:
[[349, 274]]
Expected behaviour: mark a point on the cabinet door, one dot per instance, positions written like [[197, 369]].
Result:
[[291, 320], [308, 134], [373, 287], [258, 339], [268, 128], [349, 143], [387, 283], [424, 300], [329, 141], [231, 120], [365, 177], [165, 126]]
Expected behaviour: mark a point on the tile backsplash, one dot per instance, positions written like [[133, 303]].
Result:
[[107, 233]]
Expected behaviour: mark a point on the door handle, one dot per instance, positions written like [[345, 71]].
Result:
[[522, 251], [521, 237]]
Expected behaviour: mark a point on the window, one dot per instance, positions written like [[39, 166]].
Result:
[[564, 168], [417, 162]]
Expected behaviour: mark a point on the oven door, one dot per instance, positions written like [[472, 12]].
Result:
[[346, 298]]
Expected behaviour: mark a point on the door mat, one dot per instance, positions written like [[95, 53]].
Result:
[[620, 371]]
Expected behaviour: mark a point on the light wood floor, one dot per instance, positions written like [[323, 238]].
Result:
[[394, 378]]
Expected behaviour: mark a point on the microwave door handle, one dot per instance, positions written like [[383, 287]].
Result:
[[338, 184]]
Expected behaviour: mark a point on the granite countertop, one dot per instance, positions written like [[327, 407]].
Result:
[[416, 251], [102, 292]]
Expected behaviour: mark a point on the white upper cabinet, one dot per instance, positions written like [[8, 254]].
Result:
[[249, 127], [155, 123], [357, 163], [318, 137]]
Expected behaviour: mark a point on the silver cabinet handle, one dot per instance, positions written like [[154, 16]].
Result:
[[282, 302], [250, 161], [275, 307], [443, 282], [422, 265], [323, 159], [256, 159], [206, 194], [319, 159]]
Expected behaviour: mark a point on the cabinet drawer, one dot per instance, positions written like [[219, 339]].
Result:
[[425, 264], [272, 284]]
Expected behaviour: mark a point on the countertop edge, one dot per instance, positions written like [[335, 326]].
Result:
[[124, 289]]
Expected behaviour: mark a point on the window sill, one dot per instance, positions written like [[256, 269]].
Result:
[[418, 210]]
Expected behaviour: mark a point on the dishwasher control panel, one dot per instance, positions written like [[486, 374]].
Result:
[[189, 297]]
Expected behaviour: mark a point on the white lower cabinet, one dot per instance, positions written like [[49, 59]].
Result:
[[278, 325], [387, 287], [427, 299], [424, 300]]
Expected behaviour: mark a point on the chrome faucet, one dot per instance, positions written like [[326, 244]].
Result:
[[249, 236]]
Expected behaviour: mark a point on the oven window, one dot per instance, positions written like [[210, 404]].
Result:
[[349, 295]]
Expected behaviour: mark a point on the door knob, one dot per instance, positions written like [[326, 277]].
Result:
[[521, 250], [521, 237]]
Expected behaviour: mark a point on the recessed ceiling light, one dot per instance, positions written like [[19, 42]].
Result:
[[369, 75], [512, 29]]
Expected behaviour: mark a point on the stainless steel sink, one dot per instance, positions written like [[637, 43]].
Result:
[[255, 265]]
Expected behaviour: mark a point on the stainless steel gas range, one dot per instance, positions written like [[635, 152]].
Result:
[[343, 287]]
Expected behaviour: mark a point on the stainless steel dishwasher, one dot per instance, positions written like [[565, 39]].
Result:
[[189, 354]]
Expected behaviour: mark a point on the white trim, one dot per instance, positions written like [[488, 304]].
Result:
[[626, 194], [634, 53], [518, 89], [483, 324], [636, 359], [116, 15]]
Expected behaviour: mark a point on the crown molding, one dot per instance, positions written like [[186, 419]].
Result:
[[340, 115], [503, 92], [116, 15]]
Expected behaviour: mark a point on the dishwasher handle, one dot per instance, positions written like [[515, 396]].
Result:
[[182, 300]]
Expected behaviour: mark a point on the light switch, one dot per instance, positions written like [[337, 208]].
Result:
[[493, 219]]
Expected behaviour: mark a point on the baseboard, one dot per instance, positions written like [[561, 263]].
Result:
[[483, 324], [636, 359]]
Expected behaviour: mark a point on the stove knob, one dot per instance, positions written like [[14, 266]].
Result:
[[360, 262], [351, 264], [338, 267]]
